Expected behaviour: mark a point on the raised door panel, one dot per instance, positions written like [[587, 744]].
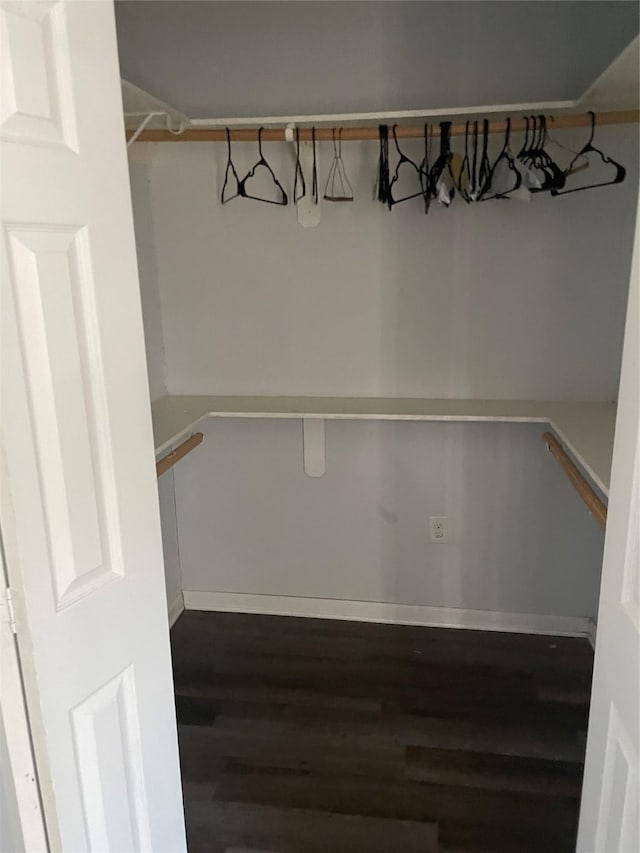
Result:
[[37, 102], [52, 280], [109, 759]]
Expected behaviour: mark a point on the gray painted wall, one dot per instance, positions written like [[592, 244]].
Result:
[[498, 300], [521, 541], [254, 59], [170, 544], [139, 175]]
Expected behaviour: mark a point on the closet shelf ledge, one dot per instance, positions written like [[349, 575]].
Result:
[[585, 428]]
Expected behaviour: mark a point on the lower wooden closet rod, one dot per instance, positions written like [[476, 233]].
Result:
[[595, 506], [168, 461], [271, 134]]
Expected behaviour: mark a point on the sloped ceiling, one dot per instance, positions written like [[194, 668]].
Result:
[[215, 59]]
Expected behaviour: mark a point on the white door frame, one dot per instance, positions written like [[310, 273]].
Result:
[[13, 717], [609, 813]]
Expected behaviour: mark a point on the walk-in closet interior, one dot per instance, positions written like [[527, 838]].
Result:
[[384, 253]]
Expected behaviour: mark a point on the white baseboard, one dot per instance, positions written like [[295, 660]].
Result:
[[176, 607], [375, 611]]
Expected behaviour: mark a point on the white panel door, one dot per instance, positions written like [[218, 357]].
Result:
[[79, 509], [609, 814]]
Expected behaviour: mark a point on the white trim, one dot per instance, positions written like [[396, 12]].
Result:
[[387, 115], [586, 428], [137, 102], [175, 609], [379, 611], [313, 445], [20, 761]]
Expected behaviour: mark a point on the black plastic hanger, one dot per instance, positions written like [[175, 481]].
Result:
[[425, 180], [299, 173], [383, 164], [478, 171], [484, 171], [590, 149], [535, 160], [443, 161], [314, 171], [464, 178], [532, 156], [262, 164], [473, 185], [528, 149], [231, 169], [403, 161], [507, 155], [554, 176]]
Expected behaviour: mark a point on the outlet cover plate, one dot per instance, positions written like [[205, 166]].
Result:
[[438, 529]]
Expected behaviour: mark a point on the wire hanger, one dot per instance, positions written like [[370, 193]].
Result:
[[590, 149], [579, 168], [337, 187], [262, 164], [298, 173], [229, 171]]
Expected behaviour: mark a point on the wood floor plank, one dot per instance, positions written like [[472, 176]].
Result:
[[304, 735], [293, 830], [251, 727], [270, 694], [392, 799], [494, 772]]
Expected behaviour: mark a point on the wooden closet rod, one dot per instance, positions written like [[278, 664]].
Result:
[[595, 506], [168, 461], [324, 134]]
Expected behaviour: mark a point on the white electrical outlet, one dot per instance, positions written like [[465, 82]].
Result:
[[438, 529]]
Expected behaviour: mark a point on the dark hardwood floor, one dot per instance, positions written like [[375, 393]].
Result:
[[309, 735]]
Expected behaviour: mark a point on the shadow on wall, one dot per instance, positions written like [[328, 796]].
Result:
[[139, 157]]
